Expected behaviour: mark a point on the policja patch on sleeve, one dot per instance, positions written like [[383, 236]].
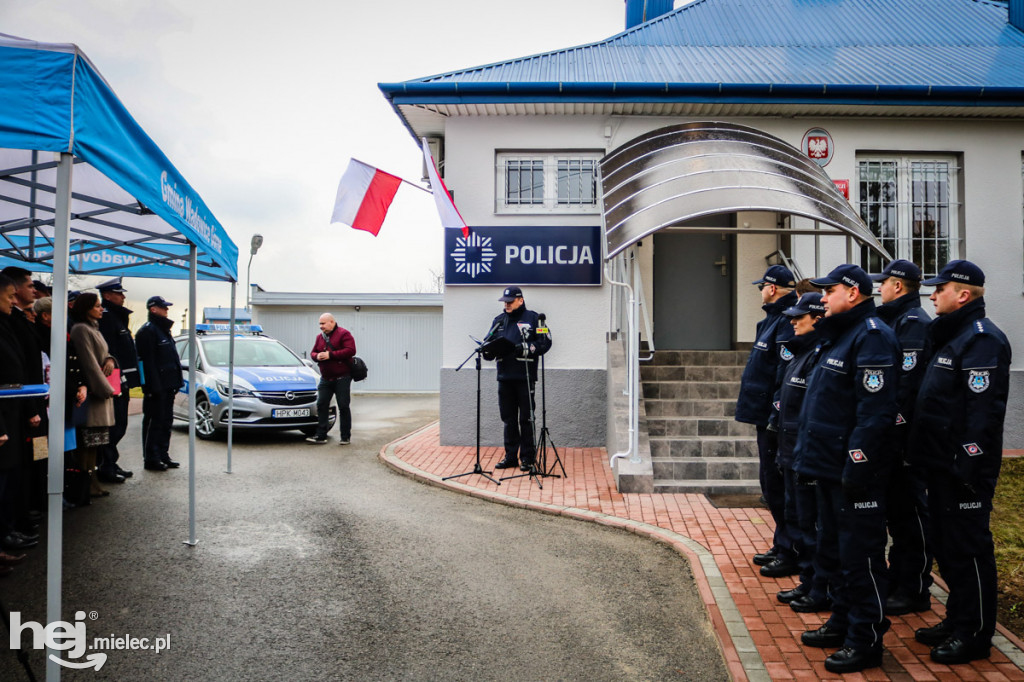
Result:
[[874, 380], [978, 381]]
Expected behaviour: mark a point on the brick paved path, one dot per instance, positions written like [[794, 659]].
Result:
[[759, 636]]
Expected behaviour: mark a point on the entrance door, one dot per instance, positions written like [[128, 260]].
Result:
[[693, 291]]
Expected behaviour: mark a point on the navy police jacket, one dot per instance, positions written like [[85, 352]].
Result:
[[520, 326], [158, 356], [761, 375], [910, 322], [850, 407], [789, 399], [114, 328], [958, 417]]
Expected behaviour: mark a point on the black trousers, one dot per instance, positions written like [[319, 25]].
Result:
[[157, 416], [910, 556], [963, 547], [341, 391], [515, 400], [108, 454], [802, 523], [856, 533], [773, 488]]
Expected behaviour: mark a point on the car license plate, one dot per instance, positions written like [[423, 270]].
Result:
[[294, 412]]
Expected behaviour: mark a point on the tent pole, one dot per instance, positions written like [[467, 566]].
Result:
[[55, 434], [193, 354], [231, 375]]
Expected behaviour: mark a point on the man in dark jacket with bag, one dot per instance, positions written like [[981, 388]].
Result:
[[333, 351], [115, 331], [161, 380], [529, 339]]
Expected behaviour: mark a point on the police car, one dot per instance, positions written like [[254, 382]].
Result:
[[274, 388]]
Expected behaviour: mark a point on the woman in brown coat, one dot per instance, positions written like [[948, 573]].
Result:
[[96, 365]]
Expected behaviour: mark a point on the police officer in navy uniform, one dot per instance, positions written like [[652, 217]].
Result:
[[811, 593], [161, 379], [758, 384], [515, 384], [957, 434], [910, 558], [115, 331], [845, 427]]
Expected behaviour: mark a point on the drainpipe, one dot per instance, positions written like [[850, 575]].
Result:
[[632, 369]]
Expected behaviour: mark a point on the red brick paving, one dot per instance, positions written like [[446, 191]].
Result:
[[731, 535]]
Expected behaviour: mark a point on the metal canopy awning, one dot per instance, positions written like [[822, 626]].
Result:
[[684, 172]]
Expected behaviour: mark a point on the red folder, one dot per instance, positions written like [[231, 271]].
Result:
[[115, 381]]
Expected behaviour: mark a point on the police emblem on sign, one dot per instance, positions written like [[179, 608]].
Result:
[[972, 449], [785, 353], [909, 360], [858, 456], [978, 381], [873, 380]]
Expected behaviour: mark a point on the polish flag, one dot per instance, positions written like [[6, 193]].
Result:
[[364, 195], [450, 216]]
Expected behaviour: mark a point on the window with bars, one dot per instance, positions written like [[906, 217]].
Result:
[[910, 204], [547, 183]]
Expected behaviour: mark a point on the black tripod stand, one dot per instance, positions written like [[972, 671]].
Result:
[[545, 435], [534, 472], [477, 469]]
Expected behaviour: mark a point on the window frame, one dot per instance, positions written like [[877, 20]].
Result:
[[549, 202]]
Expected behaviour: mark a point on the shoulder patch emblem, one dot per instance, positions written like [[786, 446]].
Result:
[[900, 420], [978, 381], [777, 404], [973, 450], [874, 380], [909, 360], [858, 456], [785, 353]]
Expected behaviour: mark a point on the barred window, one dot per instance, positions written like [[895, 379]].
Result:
[[547, 183], [910, 204]]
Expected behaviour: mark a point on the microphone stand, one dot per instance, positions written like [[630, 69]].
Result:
[[477, 469], [533, 472]]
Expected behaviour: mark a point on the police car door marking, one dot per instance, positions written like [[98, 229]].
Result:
[[909, 360], [873, 380], [978, 381], [858, 456], [973, 450]]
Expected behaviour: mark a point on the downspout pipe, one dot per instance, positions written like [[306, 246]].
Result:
[[631, 332]]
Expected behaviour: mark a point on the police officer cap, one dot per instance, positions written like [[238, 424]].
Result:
[[901, 268], [779, 275], [963, 271], [158, 301], [809, 303], [848, 274], [112, 286], [72, 295], [510, 294]]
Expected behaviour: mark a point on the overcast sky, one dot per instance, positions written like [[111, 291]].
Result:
[[261, 104]]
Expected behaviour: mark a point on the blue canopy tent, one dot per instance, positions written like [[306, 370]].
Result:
[[128, 212]]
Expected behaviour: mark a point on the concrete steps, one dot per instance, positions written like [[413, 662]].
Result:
[[696, 446]]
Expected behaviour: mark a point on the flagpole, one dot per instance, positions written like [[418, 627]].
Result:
[[408, 182]]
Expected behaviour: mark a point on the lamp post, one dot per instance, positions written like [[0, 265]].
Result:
[[254, 246]]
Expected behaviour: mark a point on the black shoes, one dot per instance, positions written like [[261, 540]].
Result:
[[807, 604], [935, 635], [765, 558], [124, 472], [171, 464], [108, 477], [507, 463], [318, 440], [16, 540], [155, 466], [954, 650], [780, 567], [526, 465], [901, 603], [825, 637], [850, 660], [789, 596]]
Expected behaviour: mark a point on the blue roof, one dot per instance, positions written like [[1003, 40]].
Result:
[[907, 52]]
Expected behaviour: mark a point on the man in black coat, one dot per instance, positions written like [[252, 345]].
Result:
[[114, 327], [161, 379], [957, 435], [517, 376]]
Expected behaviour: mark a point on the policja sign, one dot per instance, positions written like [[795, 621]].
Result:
[[527, 255]]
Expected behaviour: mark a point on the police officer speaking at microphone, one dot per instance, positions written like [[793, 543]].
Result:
[[522, 328], [843, 436], [957, 435]]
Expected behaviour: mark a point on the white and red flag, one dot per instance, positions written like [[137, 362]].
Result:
[[364, 195], [450, 216]]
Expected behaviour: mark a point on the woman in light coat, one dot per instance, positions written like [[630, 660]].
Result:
[[96, 365]]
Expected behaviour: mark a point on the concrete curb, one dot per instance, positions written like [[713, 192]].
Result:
[[741, 656]]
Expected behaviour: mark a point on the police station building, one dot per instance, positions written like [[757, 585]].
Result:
[[683, 156]]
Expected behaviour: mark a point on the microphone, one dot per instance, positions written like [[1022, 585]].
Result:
[[542, 317]]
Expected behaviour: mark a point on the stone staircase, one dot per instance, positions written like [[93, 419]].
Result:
[[696, 446]]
